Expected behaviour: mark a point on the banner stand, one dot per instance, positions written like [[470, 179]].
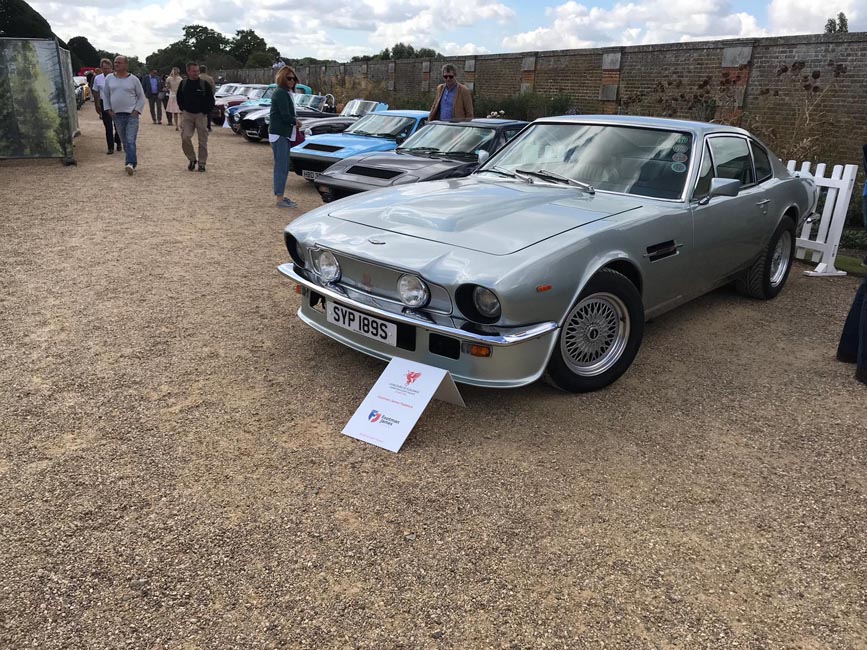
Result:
[[397, 400]]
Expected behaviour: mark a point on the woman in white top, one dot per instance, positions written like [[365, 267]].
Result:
[[173, 82]]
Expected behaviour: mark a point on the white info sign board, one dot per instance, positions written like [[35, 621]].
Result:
[[397, 400]]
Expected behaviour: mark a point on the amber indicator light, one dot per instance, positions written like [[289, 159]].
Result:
[[542, 288]]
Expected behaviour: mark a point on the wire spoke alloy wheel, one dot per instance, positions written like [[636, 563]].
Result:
[[595, 334], [781, 258]]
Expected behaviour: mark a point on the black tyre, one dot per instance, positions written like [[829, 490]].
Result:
[[600, 335], [768, 274]]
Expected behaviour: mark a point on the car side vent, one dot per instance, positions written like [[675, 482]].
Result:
[[323, 147], [361, 170], [662, 250]]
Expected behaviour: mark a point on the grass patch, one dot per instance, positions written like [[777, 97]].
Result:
[[852, 265]]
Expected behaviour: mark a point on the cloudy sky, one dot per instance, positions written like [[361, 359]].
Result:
[[339, 29]]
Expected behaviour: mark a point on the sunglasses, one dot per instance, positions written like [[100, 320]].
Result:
[[293, 78], [448, 76]]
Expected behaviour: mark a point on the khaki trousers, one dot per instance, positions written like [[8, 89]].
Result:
[[194, 122]]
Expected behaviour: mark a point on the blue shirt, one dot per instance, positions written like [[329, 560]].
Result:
[[154, 85], [447, 102]]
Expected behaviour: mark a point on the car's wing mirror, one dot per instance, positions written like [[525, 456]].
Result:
[[721, 187], [724, 187], [483, 155]]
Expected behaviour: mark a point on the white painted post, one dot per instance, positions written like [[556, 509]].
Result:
[[839, 191]]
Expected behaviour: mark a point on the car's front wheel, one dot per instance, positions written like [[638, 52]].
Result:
[[768, 274], [600, 336]]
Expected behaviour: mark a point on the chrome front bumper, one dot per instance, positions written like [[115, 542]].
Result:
[[518, 357]]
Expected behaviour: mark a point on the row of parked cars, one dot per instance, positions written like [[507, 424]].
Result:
[[367, 146]]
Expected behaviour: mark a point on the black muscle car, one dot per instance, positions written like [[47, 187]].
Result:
[[439, 150]]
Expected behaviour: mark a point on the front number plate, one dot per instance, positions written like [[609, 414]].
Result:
[[362, 323], [309, 174]]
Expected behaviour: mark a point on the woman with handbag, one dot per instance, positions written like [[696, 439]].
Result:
[[283, 132]]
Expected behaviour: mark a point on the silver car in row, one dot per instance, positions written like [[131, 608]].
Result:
[[548, 260]]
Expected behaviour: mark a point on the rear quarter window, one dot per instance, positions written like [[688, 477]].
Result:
[[763, 163]]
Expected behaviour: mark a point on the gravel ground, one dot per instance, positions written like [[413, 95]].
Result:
[[173, 473]]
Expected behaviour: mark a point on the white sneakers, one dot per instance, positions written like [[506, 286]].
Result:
[[129, 169]]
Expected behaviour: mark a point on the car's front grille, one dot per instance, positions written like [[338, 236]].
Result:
[[381, 282], [322, 147], [373, 172]]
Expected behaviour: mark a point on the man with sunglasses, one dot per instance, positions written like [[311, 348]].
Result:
[[454, 101]]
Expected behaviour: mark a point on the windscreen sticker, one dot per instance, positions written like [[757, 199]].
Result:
[[683, 140], [680, 148], [680, 157], [678, 167]]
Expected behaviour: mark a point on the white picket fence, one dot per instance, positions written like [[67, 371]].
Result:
[[837, 191]]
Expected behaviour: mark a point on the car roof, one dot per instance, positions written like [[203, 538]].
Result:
[[481, 121], [701, 128], [400, 113]]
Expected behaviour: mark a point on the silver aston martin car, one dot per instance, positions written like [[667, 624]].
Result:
[[548, 260]]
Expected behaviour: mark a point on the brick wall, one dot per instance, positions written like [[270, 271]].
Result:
[[732, 80]]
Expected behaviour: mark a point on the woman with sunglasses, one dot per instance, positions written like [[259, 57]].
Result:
[[282, 131]]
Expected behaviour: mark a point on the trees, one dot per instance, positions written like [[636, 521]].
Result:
[[80, 47], [205, 45], [245, 43], [838, 26], [259, 59], [400, 51]]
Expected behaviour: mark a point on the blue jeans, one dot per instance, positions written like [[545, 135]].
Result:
[[282, 164], [127, 129], [853, 342]]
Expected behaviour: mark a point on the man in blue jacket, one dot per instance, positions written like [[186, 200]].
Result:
[[152, 85]]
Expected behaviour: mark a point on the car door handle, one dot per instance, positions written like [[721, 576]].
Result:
[[761, 203]]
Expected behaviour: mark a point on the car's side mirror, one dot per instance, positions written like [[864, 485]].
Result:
[[483, 155], [722, 187]]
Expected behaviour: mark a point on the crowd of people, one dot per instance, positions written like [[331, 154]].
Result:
[[120, 98]]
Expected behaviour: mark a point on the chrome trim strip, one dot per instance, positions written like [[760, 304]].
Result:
[[515, 335]]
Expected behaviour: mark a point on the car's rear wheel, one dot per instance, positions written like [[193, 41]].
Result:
[[768, 274], [600, 336]]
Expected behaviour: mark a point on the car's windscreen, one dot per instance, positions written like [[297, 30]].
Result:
[[268, 93], [314, 102], [357, 108], [257, 93], [446, 138], [382, 126], [625, 159]]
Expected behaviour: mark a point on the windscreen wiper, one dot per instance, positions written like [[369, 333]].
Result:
[[553, 176]]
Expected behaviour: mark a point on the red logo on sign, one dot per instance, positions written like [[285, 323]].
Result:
[[411, 377]]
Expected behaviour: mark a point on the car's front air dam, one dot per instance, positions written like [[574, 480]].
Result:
[[518, 355]]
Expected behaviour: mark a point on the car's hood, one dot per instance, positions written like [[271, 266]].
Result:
[[350, 145], [222, 101], [257, 113], [312, 123], [422, 167], [490, 216]]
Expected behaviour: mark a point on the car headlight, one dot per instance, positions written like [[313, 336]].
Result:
[[326, 265], [412, 290], [486, 302]]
